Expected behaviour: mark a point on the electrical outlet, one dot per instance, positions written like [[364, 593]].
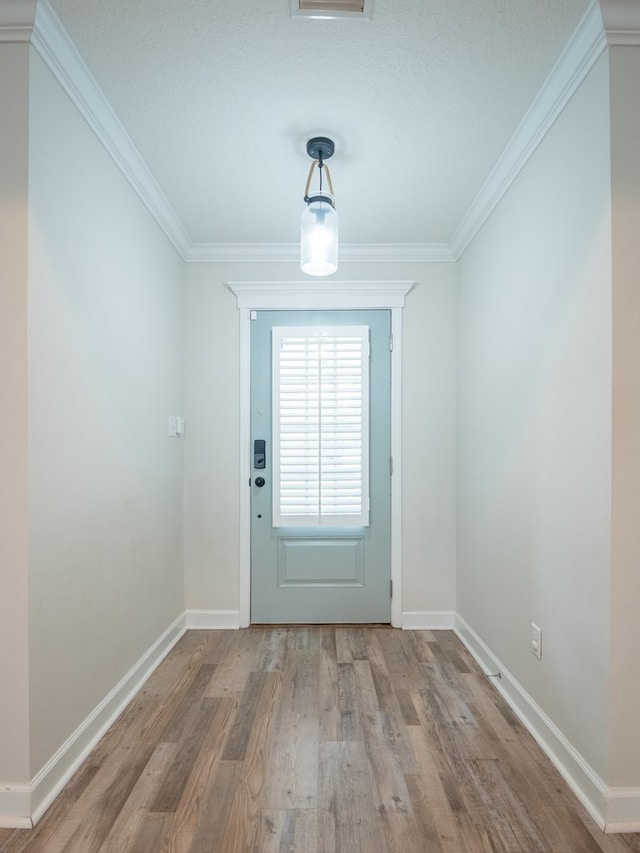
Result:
[[536, 641]]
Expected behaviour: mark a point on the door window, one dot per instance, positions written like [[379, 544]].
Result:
[[321, 426]]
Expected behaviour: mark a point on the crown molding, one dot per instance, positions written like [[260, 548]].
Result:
[[244, 252], [53, 44], [391, 252], [621, 20], [288, 252], [578, 58], [16, 20]]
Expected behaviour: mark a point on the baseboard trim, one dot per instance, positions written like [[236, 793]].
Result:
[[428, 620], [623, 810], [212, 619], [22, 807], [15, 807], [581, 778]]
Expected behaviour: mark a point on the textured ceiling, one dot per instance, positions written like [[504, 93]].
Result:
[[220, 98]]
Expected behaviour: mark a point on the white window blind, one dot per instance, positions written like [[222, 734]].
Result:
[[321, 426]]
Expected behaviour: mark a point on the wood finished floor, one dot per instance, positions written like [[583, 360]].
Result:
[[316, 738]]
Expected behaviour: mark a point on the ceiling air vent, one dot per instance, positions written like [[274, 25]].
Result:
[[331, 8]]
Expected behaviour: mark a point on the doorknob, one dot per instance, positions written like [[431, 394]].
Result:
[[259, 481]]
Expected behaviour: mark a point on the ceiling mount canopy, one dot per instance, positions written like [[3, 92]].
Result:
[[320, 148], [319, 224]]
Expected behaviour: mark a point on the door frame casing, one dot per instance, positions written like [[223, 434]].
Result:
[[320, 296]]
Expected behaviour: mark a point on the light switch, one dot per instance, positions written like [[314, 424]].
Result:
[[536, 641]]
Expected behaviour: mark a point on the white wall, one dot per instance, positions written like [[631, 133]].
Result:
[[534, 451], [429, 414], [212, 452], [624, 767], [14, 669], [105, 481]]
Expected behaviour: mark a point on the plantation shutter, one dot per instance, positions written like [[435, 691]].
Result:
[[321, 426]]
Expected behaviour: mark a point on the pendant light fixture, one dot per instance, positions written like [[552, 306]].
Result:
[[319, 225]]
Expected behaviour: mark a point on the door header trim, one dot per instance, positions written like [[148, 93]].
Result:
[[302, 295]]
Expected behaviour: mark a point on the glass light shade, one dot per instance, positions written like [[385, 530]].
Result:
[[319, 236]]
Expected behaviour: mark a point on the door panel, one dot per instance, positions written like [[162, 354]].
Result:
[[318, 573]]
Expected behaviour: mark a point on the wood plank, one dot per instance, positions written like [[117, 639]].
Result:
[[244, 816], [272, 650], [357, 643], [329, 719], [188, 749], [385, 690], [347, 820], [236, 746], [91, 817], [189, 707], [440, 745], [203, 785], [350, 720], [153, 829], [440, 806], [219, 646], [303, 637], [421, 643], [232, 671], [155, 725], [195, 829], [391, 796], [426, 828], [397, 743], [293, 752], [191, 647], [343, 646], [407, 708], [402, 665], [128, 824], [287, 831], [494, 809]]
